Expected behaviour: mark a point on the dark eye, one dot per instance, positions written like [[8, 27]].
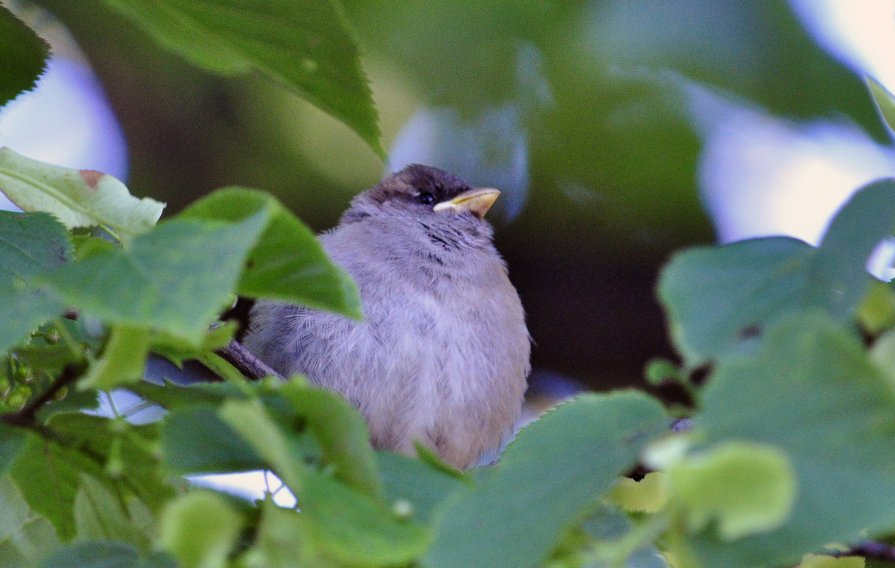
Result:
[[425, 198]]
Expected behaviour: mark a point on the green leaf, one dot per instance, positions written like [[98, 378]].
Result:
[[12, 440], [718, 297], [252, 422], [99, 515], [341, 432], [549, 477], [105, 555], [22, 311], [127, 453], [305, 46], [354, 529], [288, 263], [416, 483], [23, 56], [25, 537], [30, 244], [196, 440], [812, 393], [746, 488], [189, 536], [122, 361], [78, 198], [48, 475], [175, 278], [280, 542], [885, 102]]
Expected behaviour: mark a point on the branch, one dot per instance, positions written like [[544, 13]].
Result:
[[871, 550], [26, 416], [246, 362]]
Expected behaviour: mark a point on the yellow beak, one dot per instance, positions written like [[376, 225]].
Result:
[[477, 201]]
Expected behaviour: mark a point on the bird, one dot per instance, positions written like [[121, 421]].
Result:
[[442, 354]]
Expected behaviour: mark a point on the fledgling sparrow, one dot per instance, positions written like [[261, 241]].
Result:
[[442, 355]]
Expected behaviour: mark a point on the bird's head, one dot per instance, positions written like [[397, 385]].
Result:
[[425, 192]]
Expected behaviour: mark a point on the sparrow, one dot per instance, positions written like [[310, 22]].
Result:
[[442, 355]]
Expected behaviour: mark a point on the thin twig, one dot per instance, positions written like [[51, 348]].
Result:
[[246, 362], [26, 415]]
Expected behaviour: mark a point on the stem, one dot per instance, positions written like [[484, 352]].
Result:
[[247, 364], [26, 416]]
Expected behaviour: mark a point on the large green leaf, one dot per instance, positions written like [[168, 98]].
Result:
[[717, 297], [23, 56], [99, 515], [175, 278], [812, 393], [48, 475], [287, 263], [25, 537], [31, 243], [304, 45], [549, 477], [416, 483], [341, 433], [12, 440], [352, 528], [78, 198]]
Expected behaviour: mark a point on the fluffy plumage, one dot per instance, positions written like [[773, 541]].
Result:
[[443, 353]]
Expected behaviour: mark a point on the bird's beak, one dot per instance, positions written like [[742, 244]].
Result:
[[477, 201]]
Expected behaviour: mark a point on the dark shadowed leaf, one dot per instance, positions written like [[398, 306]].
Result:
[[195, 440], [23, 56], [305, 46]]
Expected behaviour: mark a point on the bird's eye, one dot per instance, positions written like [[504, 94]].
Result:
[[425, 198]]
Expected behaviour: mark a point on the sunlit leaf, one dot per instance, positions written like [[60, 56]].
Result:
[[186, 533], [305, 46], [78, 198], [744, 488], [122, 361]]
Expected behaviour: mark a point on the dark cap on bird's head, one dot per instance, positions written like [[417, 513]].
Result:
[[425, 190]]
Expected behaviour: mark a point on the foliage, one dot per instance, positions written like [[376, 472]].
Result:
[[789, 449]]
